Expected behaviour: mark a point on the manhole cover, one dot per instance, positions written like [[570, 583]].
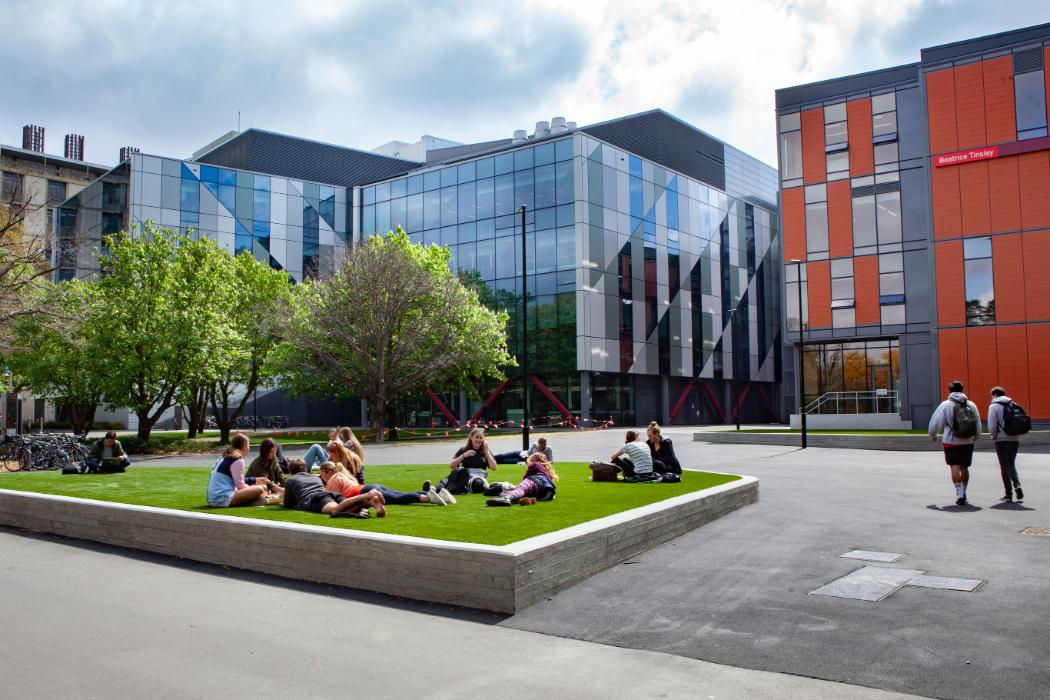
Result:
[[1041, 531]]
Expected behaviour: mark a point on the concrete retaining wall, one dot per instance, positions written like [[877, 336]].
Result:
[[504, 579], [897, 443]]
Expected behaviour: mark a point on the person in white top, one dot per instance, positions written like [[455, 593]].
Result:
[[1005, 444], [634, 458], [960, 422]]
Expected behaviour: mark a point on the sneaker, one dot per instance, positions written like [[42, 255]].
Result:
[[1007, 497], [447, 497], [435, 498], [426, 486], [524, 455], [1019, 494], [498, 502], [960, 501]]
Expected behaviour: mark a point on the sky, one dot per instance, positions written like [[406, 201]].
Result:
[[170, 77]]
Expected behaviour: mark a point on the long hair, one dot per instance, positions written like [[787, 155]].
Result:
[[344, 457], [470, 437], [238, 445], [540, 457], [265, 446]]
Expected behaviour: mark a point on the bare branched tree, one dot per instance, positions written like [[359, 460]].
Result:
[[25, 262]]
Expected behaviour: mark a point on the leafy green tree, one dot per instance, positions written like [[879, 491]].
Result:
[[391, 320], [258, 297], [55, 357], [158, 319], [25, 264]]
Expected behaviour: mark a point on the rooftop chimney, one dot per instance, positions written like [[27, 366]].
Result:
[[33, 138], [74, 147], [126, 152]]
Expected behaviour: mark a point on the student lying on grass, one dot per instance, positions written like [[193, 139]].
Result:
[[305, 491], [338, 480], [538, 484]]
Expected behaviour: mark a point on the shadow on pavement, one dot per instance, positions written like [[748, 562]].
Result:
[[968, 508], [354, 594], [1008, 505]]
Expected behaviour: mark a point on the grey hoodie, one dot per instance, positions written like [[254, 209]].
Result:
[[995, 421], [942, 419]]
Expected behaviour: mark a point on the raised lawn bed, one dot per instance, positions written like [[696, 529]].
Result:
[[470, 520]]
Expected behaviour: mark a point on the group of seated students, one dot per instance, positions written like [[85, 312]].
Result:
[[646, 462], [339, 489]]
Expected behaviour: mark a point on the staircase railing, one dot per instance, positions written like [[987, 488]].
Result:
[[850, 402]]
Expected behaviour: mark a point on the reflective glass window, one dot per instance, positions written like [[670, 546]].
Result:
[[467, 203], [546, 218], [888, 216], [886, 153], [817, 227], [398, 215], [431, 209], [523, 159], [835, 134], [563, 149], [448, 206], [227, 177], [467, 233], [980, 292], [504, 163], [545, 186], [1030, 100], [190, 197], [566, 215], [431, 180], [383, 217], [383, 192], [886, 102], [980, 247], [838, 162], [467, 172], [504, 194], [262, 182], [486, 229], [415, 184], [524, 189], [449, 176], [883, 124], [414, 212], [791, 122], [565, 187], [484, 168], [486, 260], [486, 198], [544, 154], [546, 250], [505, 257], [835, 113], [791, 155], [566, 247], [398, 188]]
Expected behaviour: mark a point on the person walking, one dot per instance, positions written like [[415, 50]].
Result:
[[960, 422], [1006, 444]]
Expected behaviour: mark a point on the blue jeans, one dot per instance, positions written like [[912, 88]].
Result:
[[392, 497], [314, 456]]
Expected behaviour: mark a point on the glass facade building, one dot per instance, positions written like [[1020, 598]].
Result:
[[652, 279]]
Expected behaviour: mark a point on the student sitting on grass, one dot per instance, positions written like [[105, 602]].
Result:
[[107, 456], [305, 491], [317, 454], [468, 469], [227, 486], [537, 485], [338, 480], [634, 459], [267, 464]]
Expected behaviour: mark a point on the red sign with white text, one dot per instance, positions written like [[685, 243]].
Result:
[[967, 156]]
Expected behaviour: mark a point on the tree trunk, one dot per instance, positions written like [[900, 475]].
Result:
[[82, 416], [145, 425], [377, 419], [198, 397]]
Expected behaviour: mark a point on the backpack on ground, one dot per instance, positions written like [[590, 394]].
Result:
[[964, 420], [1015, 420]]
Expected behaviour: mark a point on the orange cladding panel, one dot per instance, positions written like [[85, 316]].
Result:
[[1036, 245], [973, 198], [866, 289], [1034, 177], [1004, 194], [969, 105], [951, 288], [952, 356], [861, 153], [1039, 370], [999, 99], [940, 97], [1046, 74], [794, 223], [840, 219], [1011, 343], [947, 208], [818, 277], [1008, 274], [983, 365], [814, 164]]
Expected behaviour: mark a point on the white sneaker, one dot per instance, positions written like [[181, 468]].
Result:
[[524, 455], [447, 497], [435, 497]]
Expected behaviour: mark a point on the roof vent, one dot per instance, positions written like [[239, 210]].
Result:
[[543, 129], [570, 125], [520, 136], [558, 125]]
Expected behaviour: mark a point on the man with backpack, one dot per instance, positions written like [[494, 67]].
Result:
[[957, 416], [1007, 422]]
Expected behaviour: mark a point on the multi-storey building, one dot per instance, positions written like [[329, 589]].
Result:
[[917, 202], [653, 251]]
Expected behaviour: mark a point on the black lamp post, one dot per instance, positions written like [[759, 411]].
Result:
[[524, 338], [801, 364]]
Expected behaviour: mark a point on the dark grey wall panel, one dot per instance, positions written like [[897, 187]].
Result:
[[915, 205], [918, 288], [912, 133]]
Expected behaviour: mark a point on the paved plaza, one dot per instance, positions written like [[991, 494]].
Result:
[[725, 611]]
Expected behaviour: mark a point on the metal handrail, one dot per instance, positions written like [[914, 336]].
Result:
[[847, 402]]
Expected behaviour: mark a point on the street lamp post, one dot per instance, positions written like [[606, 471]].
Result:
[[524, 338], [801, 364]]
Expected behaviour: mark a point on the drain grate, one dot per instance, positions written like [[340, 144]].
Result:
[[1040, 531]]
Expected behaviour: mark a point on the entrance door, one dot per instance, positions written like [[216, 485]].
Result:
[[882, 384]]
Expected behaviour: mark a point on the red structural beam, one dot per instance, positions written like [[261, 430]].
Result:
[[740, 400], [680, 401], [714, 401], [489, 401], [553, 399], [765, 399], [442, 407]]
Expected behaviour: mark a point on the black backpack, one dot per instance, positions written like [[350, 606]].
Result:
[[964, 420], [1015, 420]]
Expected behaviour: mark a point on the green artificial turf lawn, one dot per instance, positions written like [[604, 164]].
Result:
[[470, 520], [829, 431]]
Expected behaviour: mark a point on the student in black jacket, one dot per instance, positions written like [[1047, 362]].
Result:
[[664, 459]]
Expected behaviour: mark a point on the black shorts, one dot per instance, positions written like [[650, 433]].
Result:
[[318, 502], [961, 455]]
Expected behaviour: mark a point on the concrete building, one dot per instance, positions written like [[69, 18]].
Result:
[[917, 200]]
